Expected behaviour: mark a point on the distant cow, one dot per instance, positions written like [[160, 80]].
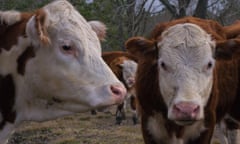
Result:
[[187, 80], [124, 67], [51, 66]]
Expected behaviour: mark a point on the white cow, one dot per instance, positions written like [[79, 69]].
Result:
[[51, 66]]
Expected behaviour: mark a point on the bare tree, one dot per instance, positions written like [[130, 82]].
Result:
[[201, 9], [132, 17], [180, 9]]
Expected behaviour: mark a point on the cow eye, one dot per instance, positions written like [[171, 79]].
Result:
[[69, 50], [163, 65], [66, 47], [209, 65]]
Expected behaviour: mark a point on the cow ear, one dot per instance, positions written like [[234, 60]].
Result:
[[36, 28], [227, 49], [139, 46], [99, 28], [120, 65]]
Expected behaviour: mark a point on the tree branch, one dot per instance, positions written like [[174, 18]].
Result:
[[170, 7]]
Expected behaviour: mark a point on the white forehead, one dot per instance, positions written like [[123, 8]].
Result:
[[129, 66], [186, 42], [62, 17]]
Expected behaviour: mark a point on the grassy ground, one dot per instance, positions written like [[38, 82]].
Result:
[[82, 128]]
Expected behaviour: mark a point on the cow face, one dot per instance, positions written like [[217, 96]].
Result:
[[185, 64], [67, 71], [129, 69]]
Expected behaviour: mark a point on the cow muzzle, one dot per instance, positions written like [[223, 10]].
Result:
[[186, 113], [119, 92]]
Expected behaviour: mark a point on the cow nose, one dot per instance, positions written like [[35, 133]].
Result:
[[119, 92], [186, 111], [131, 81]]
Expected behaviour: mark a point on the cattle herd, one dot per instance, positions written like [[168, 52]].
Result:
[[183, 81]]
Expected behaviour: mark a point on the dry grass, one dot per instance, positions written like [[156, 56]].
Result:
[[82, 128]]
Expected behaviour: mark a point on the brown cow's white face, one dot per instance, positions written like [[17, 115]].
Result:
[[185, 71], [129, 69], [68, 73]]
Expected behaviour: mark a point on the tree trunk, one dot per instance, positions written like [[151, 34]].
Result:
[[183, 4], [201, 9]]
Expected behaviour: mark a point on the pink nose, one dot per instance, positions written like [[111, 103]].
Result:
[[186, 111], [119, 92], [131, 80]]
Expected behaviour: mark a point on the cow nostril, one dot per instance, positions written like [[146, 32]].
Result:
[[176, 108], [118, 90], [196, 109], [115, 90]]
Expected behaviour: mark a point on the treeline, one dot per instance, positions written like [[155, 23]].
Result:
[[126, 18]]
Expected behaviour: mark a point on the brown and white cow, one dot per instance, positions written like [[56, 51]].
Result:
[[124, 66], [187, 80], [51, 66]]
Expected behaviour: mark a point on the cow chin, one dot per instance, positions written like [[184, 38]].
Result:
[[185, 122], [68, 108]]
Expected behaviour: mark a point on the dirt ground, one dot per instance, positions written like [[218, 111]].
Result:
[[81, 128]]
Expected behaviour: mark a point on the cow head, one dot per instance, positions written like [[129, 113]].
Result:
[[185, 55], [67, 72], [125, 69], [129, 68]]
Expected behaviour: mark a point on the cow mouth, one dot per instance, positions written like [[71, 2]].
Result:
[[185, 122]]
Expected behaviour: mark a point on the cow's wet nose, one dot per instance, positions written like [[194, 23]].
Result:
[[186, 110], [119, 92]]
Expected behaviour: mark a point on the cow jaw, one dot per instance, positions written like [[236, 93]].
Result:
[[185, 72]]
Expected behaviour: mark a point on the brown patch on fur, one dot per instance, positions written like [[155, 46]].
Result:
[[7, 98], [233, 30], [23, 58], [140, 46], [228, 49], [9, 34]]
